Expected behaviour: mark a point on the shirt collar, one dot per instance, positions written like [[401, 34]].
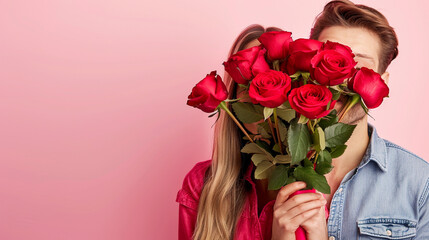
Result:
[[376, 150]]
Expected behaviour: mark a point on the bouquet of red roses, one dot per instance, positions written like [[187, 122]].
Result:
[[292, 87]]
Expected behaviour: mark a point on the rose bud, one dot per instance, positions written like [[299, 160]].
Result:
[[301, 52], [333, 64], [276, 43], [270, 88], [370, 86], [247, 63], [208, 93], [311, 100]]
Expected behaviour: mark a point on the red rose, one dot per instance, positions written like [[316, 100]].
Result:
[[270, 88], [370, 86], [276, 43], [208, 93], [311, 100], [333, 64], [247, 63], [301, 52], [343, 49]]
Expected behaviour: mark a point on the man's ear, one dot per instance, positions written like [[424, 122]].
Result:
[[385, 77]]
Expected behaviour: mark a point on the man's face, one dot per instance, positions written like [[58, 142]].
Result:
[[366, 46]]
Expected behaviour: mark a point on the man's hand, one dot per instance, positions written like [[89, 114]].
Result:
[[290, 213]]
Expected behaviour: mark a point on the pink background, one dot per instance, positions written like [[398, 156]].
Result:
[[95, 135]]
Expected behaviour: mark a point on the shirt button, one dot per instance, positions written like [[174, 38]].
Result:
[[340, 190], [331, 238], [389, 233]]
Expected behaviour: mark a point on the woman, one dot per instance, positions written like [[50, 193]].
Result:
[[220, 199]]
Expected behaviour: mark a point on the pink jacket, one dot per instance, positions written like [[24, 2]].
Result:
[[249, 226]]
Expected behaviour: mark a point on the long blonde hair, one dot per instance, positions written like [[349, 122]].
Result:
[[223, 195]]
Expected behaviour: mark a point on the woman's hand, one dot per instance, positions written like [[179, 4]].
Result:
[[315, 227], [290, 213]]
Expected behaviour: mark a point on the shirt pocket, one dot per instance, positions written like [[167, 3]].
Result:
[[386, 228]]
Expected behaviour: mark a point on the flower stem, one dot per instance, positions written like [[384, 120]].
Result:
[[315, 159], [233, 100], [272, 129], [276, 122], [310, 126], [224, 107], [350, 103], [276, 65], [343, 109], [312, 154]]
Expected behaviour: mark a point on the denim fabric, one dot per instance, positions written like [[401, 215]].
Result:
[[385, 197]]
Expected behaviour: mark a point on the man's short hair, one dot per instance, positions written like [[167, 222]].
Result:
[[347, 14]]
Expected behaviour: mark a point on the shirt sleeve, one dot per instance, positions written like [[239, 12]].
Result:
[[188, 198], [423, 224], [187, 219]]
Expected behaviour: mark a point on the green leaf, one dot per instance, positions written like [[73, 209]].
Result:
[[251, 148], [305, 75], [335, 94], [295, 75], [263, 131], [313, 180], [303, 119], [266, 127], [285, 105], [307, 163], [283, 131], [286, 114], [298, 141], [255, 148], [257, 158], [248, 112], [283, 159], [324, 163], [319, 139], [278, 177], [290, 180], [216, 112], [338, 134], [263, 145], [263, 170], [365, 108], [339, 87], [243, 85], [338, 151], [268, 112], [276, 148], [329, 119], [329, 105]]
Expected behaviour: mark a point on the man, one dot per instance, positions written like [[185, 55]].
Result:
[[378, 189]]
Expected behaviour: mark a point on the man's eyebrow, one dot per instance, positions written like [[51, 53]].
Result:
[[364, 56]]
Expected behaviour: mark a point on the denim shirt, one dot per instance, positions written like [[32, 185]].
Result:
[[385, 197]]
